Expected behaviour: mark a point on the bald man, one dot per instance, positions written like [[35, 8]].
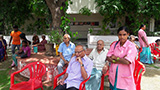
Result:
[[66, 50], [79, 69], [98, 55]]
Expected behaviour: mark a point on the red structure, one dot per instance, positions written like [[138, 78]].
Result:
[[37, 70]]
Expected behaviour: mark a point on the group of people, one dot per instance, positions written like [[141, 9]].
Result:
[[24, 47], [119, 59]]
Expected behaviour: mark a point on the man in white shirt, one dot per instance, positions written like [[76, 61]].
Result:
[[100, 66]]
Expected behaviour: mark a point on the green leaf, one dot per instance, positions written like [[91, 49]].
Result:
[[61, 8], [62, 17], [74, 19]]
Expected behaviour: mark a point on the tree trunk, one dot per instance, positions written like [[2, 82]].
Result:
[[151, 24], [54, 7]]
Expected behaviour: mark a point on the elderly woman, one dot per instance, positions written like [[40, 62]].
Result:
[[3, 45], [121, 56]]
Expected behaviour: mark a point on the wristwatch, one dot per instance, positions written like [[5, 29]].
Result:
[[82, 65]]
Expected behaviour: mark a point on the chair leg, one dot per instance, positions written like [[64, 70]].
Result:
[[41, 87]]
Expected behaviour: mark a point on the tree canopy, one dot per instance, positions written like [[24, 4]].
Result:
[[136, 11], [13, 12]]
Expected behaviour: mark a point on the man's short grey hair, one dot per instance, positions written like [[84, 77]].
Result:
[[1, 35], [67, 35], [43, 35]]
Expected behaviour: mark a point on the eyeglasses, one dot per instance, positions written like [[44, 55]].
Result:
[[78, 51], [65, 38]]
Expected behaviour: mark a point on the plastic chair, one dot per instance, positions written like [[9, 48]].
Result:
[[81, 87], [102, 79], [140, 50], [138, 72], [37, 70], [151, 45]]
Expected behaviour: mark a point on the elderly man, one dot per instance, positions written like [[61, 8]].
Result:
[[98, 55], [79, 69], [66, 50]]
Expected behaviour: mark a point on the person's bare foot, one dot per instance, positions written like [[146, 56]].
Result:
[[11, 66]]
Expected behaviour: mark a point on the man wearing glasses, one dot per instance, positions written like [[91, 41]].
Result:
[[79, 69], [66, 51]]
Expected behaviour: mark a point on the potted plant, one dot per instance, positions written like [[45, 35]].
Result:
[[55, 38]]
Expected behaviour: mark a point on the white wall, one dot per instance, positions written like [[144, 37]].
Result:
[[78, 4], [108, 39]]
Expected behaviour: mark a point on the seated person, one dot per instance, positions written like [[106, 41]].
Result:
[[24, 52], [156, 50], [66, 50], [100, 66], [3, 45], [35, 39], [41, 45], [79, 69], [23, 37], [133, 40]]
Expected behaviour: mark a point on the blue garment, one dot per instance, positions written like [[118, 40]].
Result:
[[15, 59], [145, 55], [5, 43], [13, 48], [67, 52], [60, 67], [95, 80], [1, 51]]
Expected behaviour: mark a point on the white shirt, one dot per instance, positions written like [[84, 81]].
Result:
[[98, 58]]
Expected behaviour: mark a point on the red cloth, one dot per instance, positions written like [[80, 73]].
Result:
[[155, 52]]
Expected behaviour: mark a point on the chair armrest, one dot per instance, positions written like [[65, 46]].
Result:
[[82, 85], [14, 73], [56, 77]]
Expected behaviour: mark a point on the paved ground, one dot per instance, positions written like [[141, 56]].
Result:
[[151, 78]]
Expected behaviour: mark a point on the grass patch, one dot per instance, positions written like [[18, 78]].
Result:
[[152, 65], [4, 79]]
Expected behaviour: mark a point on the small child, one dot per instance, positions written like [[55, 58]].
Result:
[[156, 50], [24, 52]]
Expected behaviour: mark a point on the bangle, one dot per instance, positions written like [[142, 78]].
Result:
[[118, 58], [113, 61]]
